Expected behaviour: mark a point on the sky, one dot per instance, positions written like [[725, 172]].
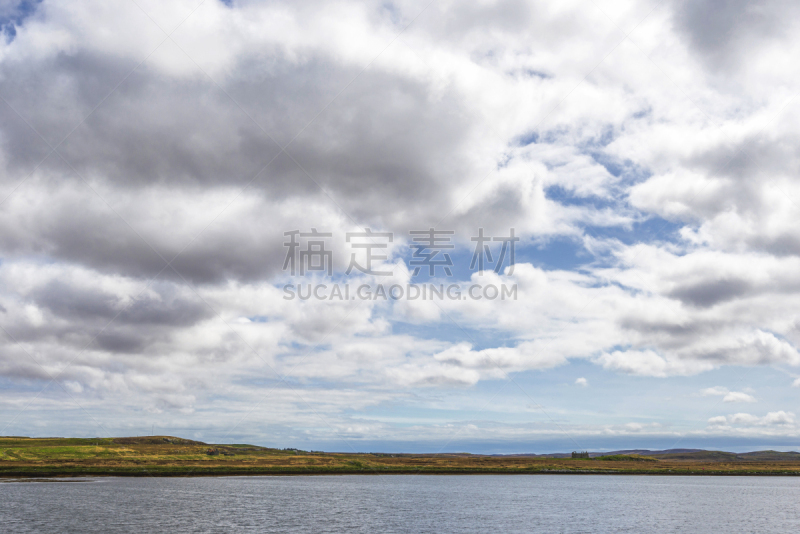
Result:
[[158, 160]]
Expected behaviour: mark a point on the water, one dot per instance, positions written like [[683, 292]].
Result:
[[479, 504]]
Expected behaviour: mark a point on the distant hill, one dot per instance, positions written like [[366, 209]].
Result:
[[655, 453], [155, 440], [770, 455], [640, 452], [683, 454]]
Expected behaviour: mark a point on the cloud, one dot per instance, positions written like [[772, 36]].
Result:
[[581, 382], [738, 396], [648, 363], [719, 420], [655, 199], [779, 418], [728, 396], [725, 34], [744, 418]]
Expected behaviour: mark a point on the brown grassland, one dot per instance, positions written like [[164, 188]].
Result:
[[170, 456]]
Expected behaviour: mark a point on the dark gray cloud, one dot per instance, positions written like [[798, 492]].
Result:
[[92, 304], [760, 155], [78, 316], [710, 293], [383, 135], [669, 334], [724, 32], [385, 151]]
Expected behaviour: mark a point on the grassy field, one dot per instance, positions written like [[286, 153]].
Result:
[[170, 456]]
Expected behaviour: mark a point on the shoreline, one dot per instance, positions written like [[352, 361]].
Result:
[[227, 472]]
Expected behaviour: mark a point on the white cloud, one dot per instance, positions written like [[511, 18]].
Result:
[[581, 382], [719, 420], [779, 418], [648, 363], [728, 396], [744, 418], [738, 396]]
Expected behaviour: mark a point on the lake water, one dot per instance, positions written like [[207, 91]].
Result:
[[484, 504]]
